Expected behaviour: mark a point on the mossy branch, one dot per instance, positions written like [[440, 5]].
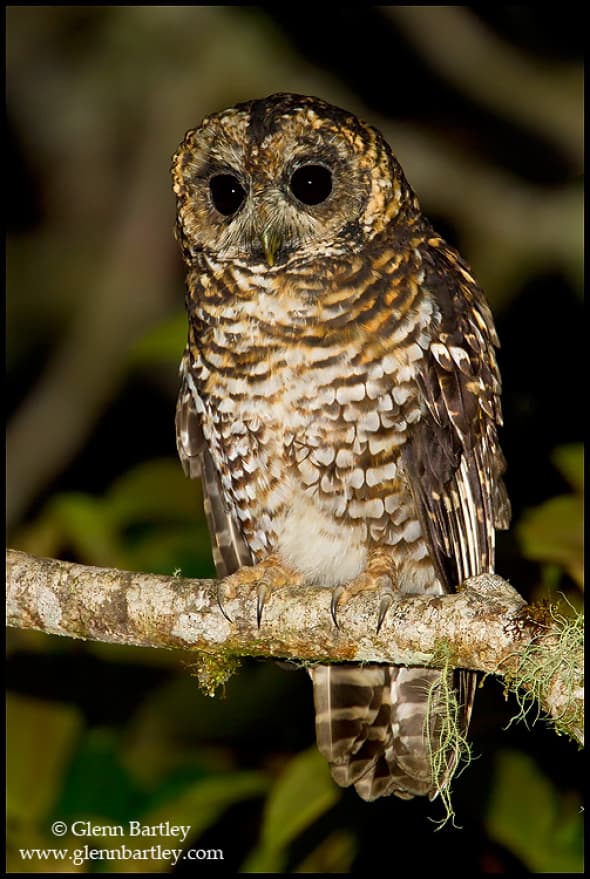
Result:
[[486, 626]]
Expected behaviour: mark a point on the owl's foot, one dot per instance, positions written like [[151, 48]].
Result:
[[261, 580], [379, 575]]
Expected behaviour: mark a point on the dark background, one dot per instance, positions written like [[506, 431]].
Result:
[[483, 107]]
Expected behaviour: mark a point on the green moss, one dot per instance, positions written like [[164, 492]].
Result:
[[443, 726], [212, 671], [561, 657]]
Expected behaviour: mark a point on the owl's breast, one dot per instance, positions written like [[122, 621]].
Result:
[[306, 419]]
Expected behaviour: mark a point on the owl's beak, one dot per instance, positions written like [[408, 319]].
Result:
[[271, 244]]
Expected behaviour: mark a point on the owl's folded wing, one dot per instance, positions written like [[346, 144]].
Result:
[[230, 550], [453, 457]]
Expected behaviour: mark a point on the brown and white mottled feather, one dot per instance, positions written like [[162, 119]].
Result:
[[229, 548], [339, 399]]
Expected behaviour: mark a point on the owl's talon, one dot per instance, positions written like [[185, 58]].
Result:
[[262, 592], [221, 597], [336, 596], [384, 605], [255, 582]]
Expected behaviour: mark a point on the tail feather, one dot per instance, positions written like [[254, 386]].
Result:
[[352, 717], [379, 726]]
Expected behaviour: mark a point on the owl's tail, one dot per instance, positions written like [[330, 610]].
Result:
[[382, 728]]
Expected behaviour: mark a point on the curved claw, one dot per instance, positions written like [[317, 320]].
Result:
[[221, 596], [384, 605], [336, 596], [262, 592]]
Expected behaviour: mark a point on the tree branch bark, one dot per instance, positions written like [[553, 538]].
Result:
[[486, 626]]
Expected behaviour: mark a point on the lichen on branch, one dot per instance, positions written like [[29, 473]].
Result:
[[486, 626]]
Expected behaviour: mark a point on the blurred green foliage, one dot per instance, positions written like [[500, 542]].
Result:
[[150, 519], [553, 532], [302, 793], [79, 774], [526, 813]]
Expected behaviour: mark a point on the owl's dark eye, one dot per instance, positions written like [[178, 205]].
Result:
[[227, 193], [311, 184]]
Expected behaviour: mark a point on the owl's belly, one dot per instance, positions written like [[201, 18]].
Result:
[[268, 457], [313, 470], [279, 513], [314, 542]]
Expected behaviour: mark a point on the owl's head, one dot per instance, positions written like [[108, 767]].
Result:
[[281, 178]]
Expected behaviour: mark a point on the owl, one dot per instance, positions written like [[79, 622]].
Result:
[[340, 401]]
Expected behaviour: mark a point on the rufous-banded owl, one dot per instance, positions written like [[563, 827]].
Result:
[[339, 400]]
